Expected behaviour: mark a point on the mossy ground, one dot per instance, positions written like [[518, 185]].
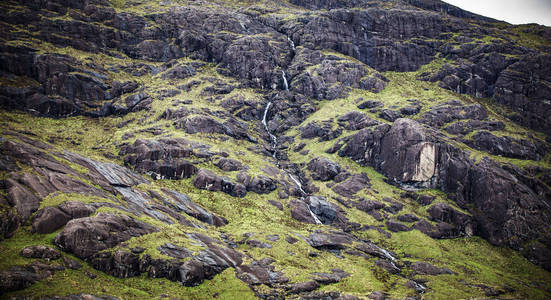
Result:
[[475, 261]]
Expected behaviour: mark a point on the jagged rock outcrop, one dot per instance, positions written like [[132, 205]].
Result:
[[207, 180], [86, 236], [412, 156]]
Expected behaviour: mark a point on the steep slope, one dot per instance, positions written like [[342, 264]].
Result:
[[273, 149]]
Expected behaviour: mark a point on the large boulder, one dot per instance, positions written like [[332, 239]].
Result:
[[406, 155], [49, 219], [85, 237], [207, 180], [323, 169]]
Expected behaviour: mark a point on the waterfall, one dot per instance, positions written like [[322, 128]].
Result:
[[386, 253], [297, 183], [285, 84], [314, 216], [291, 43], [265, 123], [274, 148]]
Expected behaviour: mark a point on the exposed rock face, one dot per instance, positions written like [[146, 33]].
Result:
[[16, 279], [207, 180], [507, 146], [425, 268], [323, 169], [87, 236], [518, 88], [164, 158], [411, 155], [452, 110], [50, 219], [413, 158], [463, 224], [352, 185], [243, 81]]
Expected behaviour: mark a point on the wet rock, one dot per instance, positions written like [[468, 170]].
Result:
[[388, 266], [301, 211], [324, 211], [314, 210], [86, 236], [43, 252], [207, 180], [323, 169]]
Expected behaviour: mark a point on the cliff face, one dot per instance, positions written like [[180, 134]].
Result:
[[273, 149]]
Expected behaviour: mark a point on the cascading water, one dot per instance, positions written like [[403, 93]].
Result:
[[291, 43], [265, 123], [274, 149], [285, 84], [298, 184]]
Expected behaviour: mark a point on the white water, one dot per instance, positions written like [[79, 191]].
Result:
[[421, 288], [274, 147], [265, 123], [291, 43], [285, 84], [385, 252], [297, 183], [314, 216]]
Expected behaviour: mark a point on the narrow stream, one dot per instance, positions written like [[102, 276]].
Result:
[[292, 44], [274, 150], [272, 137], [285, 84]]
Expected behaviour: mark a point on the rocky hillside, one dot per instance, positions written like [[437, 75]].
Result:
[[199, 149]]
